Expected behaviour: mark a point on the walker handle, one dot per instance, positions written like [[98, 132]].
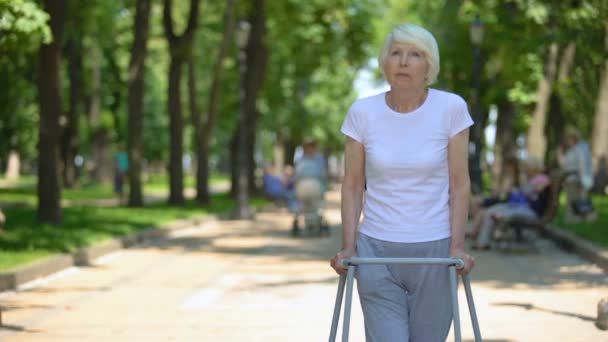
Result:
[[459, 263]]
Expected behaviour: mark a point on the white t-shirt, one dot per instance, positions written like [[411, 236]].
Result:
[[406, 165]]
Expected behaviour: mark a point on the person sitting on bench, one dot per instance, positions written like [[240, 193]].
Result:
[[280, 189], [528, 202]]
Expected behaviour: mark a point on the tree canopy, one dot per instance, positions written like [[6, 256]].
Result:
[[543, 66]]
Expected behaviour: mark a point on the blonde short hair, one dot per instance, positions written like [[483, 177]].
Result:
[[419, 37]]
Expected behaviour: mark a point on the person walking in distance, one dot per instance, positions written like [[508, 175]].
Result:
[[406, 150]]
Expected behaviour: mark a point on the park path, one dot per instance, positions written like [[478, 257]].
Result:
[[251, 281]]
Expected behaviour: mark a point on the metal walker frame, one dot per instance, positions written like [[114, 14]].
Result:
[[348, 281]]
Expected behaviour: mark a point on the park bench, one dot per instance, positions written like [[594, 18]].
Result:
[[521, 234]]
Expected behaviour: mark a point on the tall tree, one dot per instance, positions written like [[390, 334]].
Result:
[[136, 97], [23, 28], [243, 139], [69, 135], [504, 149], [556, 115], [49, 87], [600, 125], [180, 48], [566, 21], [257, 59], [204, 129], [100, 130]]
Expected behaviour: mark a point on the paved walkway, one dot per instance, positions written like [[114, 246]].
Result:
[[250, 281]]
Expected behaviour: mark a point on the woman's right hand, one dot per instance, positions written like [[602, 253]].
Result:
[[336, 261]]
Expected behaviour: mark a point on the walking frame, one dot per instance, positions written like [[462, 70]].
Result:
[[348, 280]]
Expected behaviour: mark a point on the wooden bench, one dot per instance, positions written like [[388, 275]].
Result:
[[521, 234]]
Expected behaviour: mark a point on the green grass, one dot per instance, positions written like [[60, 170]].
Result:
[[25, 240], [23, 192], [160, 182], [157, 180], [596, 231], [26, 194]]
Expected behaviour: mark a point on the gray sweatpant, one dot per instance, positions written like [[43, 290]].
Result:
[[404, 302]]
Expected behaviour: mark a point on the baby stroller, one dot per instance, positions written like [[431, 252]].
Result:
[[311, 182], [310, 195]]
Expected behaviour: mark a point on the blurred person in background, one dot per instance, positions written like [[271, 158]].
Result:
[[576, 161]]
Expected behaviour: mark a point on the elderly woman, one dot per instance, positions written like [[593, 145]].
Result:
[[407, 149]]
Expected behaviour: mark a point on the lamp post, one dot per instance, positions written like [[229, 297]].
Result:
[[476, 31], [242, 210]]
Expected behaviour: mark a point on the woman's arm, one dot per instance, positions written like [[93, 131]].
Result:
[[352, 199], [460, 187], [352, 190]]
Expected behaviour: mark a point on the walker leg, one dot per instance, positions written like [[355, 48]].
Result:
[[469, 293], [337, 308], [350, 276], [455, 312]]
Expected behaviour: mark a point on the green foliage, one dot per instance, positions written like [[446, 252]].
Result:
[[595, 231], [325, 113], [156, 120], [23, 26], [317, 48]]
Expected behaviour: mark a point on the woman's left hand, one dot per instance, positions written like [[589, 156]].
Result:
[[469, 261]]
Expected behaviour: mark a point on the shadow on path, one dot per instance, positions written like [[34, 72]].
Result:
[[528, 306]]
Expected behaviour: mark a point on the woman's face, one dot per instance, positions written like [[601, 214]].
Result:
[[405, 66]]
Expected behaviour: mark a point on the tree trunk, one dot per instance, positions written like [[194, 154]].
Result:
[[257, 58], [176, 177], [100, 151], [536, 142], [202, 192], [13, 165], [554, 132], [290, 151], [566, 62], [505, 149], [69, 138], [234, 163], [49, 88], [116, 93], [202, 147], [136, 93], [278, 153], [180, 48], [599, 141]]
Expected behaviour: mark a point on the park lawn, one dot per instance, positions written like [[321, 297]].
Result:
[[26, 195], [24, 192], [596, 231], [158, 182], [25, 240]]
